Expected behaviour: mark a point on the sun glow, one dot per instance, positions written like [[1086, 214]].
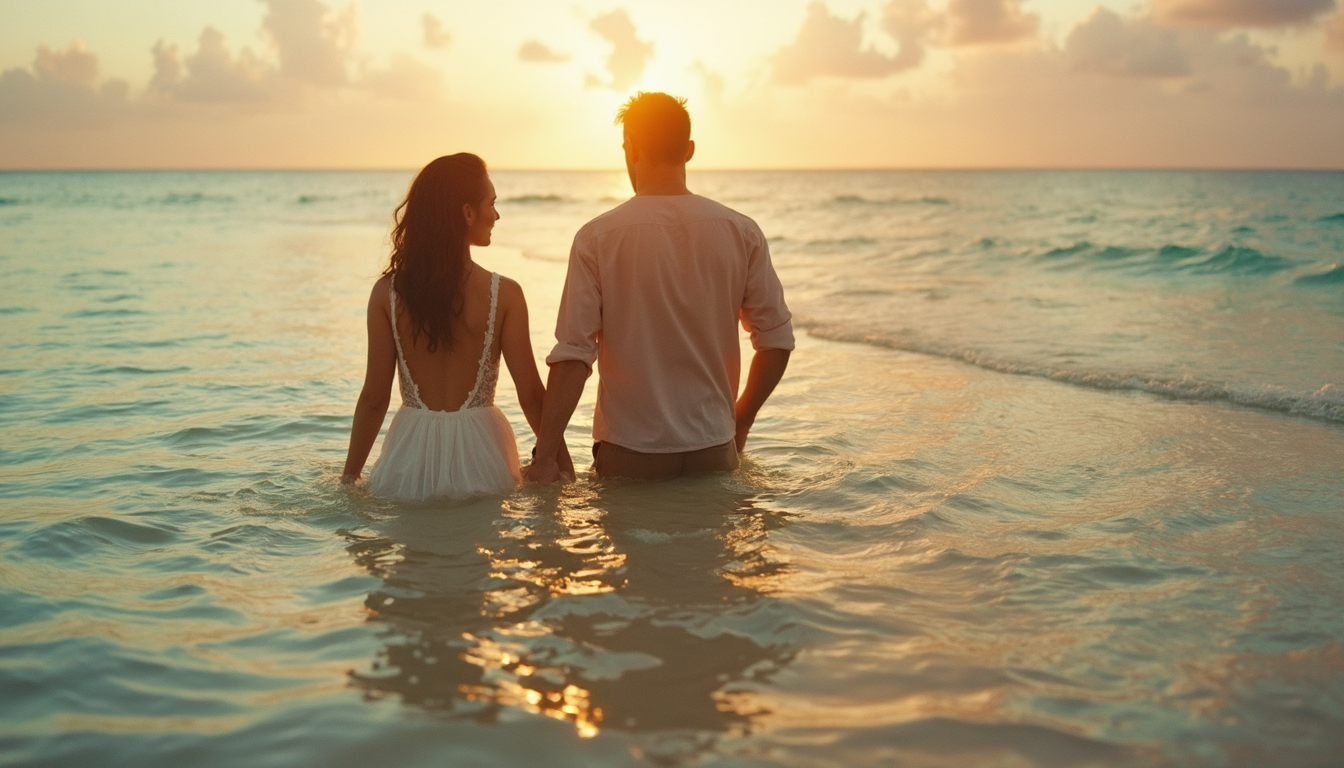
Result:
[[839, 83]]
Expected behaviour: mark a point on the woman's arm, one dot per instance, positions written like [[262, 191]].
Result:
[[377, 391], [516, 343]]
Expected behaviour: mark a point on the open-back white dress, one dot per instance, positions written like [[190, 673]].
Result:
[[468, 452]]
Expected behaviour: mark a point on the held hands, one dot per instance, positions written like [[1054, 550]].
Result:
[[550, 469]]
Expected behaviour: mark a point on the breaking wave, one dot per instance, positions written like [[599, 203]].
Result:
[[534, 199], [890, 201], [1332, 276], [1229, 260], [1326, 403]]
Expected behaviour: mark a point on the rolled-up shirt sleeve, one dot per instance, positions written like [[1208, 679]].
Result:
[[764, 314], [580, 319]]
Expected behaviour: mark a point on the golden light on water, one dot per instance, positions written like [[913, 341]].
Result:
[[525, 687]]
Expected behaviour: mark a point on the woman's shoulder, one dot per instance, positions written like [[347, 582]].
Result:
[[381, 288], [509, 289]]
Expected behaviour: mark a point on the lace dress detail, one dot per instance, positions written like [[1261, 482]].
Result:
[[487, 370], [410, 394], [448, 454], [482, 394]]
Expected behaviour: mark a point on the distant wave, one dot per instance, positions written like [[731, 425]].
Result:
[[1229, 260], [1332, 276], [191, 198], [860, 200], [309, 199], [526, 199], [1326, 403], [1337, 218], [843, 242], [10, 201]]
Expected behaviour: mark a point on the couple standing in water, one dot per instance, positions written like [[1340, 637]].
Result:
[[653, 295]]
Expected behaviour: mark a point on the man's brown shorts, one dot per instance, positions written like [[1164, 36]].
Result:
[[611, 460]]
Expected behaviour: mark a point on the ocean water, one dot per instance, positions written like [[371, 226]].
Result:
[[1054, 479]]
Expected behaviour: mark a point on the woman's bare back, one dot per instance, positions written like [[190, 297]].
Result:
[[445, 377]]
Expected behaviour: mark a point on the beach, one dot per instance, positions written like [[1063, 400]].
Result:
[[1053, 479]]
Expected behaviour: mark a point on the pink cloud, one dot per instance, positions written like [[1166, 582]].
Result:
[[830, 46], [1241, 13], [63, 88], [213, 75], [312, 42], [981, 22], [1106, 44], [1334, 33], [75, 64]]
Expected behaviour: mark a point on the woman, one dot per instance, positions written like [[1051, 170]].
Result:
[[442, 322]]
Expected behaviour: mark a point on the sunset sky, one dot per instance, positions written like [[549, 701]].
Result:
[[770, 83]]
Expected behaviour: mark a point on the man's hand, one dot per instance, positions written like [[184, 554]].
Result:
[[767, 368], [744, 422]]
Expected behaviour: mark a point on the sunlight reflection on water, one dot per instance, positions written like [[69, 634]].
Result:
[[922, 562]]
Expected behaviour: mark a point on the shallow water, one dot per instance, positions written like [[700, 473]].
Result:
[[1129, 556]]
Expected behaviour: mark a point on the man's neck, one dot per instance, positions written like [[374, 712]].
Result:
[[661, 180]]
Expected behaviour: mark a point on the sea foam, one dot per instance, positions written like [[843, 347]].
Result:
[[1325, 402]]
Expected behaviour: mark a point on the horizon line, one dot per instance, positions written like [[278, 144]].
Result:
[[720, 169]]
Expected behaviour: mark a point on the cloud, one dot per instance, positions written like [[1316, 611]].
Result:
[[312, 43], [629, 54], [829, 46], [1215, 66], [435, 36], [981, 22], [538, 53], [76, 65], [910, 23], [213, 75], [62, 87], [711, 82], [404, 78], [1106, 44], [315, 52], [311, 54], [1334, 33], [1241, 13]]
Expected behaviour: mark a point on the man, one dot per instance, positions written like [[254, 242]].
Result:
[[654, 292]]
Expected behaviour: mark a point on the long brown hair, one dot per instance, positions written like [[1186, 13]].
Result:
[[430, 251]]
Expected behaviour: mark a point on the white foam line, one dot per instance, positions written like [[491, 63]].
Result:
[[1326, 404]]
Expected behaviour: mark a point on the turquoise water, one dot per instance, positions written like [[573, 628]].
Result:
[[1053, 479]]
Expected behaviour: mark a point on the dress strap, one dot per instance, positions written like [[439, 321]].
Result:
[[410, 393], [489, 340]]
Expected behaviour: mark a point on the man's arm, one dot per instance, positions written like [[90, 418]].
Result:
[[767, 368], [564, 387]]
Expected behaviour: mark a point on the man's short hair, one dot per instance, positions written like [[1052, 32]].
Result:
[[658, 124]]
